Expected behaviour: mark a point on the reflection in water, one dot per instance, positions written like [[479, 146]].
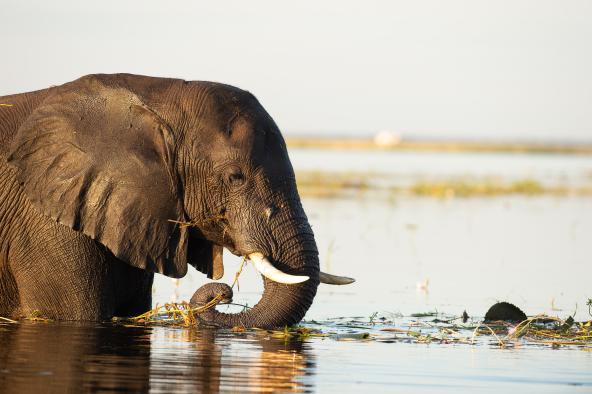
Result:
[[39, 357], [277, 367], [221, 361], [67, 357]]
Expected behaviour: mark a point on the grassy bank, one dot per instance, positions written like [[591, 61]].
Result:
[[437, 146], [333, 185]]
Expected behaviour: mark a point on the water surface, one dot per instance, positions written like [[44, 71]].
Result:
[[68, 357], [408, 255]]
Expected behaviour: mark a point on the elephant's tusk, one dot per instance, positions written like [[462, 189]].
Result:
[[269, 271], [334, 279]]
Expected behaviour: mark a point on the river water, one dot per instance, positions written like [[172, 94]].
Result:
[[408, 254]]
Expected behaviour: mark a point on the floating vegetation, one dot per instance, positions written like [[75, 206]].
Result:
[[288, 333], [540, 330], [537, 330], [424, 314], [421, 327], [548, 330], [36, 315], [418, 328]]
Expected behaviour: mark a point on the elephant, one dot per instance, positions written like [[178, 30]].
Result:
[[111, 178]]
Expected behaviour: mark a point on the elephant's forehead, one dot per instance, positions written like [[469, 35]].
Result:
[[244, 133]]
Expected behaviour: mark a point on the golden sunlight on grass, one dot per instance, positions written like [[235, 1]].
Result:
[[463, 188], [322, 184]]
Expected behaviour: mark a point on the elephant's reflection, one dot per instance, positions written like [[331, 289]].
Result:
[[39, 357], [280, 367], [227, 362]]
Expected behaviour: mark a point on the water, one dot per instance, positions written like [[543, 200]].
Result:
[[67, 357], [410, 166], [408, 255]]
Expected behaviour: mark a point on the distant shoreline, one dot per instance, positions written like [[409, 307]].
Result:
[[342, 143], [327, 184]]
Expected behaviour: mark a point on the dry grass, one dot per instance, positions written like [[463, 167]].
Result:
[[199, 222], [182, 313], [177, 314], [560, 332]]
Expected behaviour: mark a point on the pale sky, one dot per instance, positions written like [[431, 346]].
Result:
[[469, 68]]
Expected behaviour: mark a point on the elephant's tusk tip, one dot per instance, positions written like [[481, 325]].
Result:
[[334, 279]]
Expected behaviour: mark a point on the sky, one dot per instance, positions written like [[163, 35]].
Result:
[[518, 69]]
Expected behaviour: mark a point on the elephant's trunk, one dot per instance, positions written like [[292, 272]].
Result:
[[280, 304]]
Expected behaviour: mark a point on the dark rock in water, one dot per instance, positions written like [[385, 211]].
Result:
[[505, 311], [465, 317]]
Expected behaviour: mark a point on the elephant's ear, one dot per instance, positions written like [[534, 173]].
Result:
[[96, 159]]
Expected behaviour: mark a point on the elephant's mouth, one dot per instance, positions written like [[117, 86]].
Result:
[[263, 265], [262, 262]]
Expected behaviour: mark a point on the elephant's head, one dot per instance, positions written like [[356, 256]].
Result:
[[163, 172]]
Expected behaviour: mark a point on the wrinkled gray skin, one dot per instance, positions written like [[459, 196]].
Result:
[[96, 174]]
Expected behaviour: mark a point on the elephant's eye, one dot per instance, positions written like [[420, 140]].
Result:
[[235, 177]]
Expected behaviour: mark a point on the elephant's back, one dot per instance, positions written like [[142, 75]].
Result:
[[14, 110]]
